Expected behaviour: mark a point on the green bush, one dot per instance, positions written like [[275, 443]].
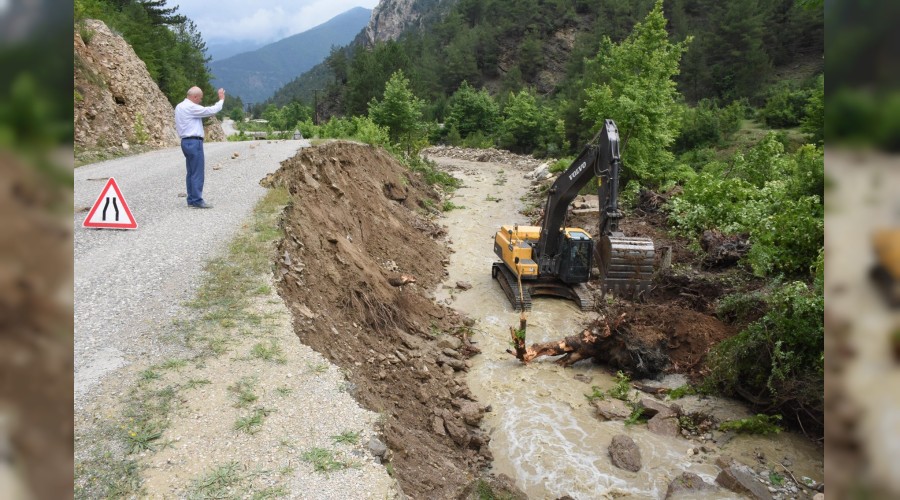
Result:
[[708, 125], [774, 197], [779, 357], [785, 106]]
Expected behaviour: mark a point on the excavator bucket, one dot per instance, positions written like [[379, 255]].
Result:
[[626, 265]]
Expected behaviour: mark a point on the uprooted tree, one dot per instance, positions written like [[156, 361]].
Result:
[[604, 340]]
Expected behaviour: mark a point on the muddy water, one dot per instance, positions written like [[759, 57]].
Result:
[[544, 433]]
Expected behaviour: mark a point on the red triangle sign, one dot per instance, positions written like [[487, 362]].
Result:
[[110, 210]]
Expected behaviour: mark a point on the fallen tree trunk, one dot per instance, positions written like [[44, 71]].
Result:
[[573, 348]]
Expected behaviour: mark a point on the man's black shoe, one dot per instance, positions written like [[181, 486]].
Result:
[[202, 204]]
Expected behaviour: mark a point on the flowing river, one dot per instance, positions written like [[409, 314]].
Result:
[[544, 433]]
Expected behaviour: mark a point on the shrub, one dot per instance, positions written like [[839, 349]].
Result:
[[774, 197], [785, 106], [708, 125], [779, 357]]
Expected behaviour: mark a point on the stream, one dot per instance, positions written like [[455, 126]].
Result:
[[544, 432]]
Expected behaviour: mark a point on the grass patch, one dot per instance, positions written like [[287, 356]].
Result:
[[323, 460], [757, 424], [271, 352], [346, 437], [284, 391], [142, 437], [194, 383], [251, 424], [149, 375], [173, 364], [317, 368], [621, 391], [682, 391], [218, 482], [244, 392], [449, 205], [106, 476]]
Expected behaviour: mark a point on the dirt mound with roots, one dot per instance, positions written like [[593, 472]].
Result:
[[355, 267]]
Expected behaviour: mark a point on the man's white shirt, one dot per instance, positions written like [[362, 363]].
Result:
[[188, 117]]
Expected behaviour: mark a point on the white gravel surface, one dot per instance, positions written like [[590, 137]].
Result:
[[129, 284]]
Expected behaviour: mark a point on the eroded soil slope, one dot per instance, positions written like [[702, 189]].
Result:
[[353, 228]]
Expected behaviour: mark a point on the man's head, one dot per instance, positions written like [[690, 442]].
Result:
[[195, 95]]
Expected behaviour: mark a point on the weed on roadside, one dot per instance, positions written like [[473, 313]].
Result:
[[218, 482], [194, 383], [252, 423], [323, 460], [141, 437], [347, 437], [271, 352], [284, 391], [244, 392]]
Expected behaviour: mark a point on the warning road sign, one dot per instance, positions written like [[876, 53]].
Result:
[[110, 210]]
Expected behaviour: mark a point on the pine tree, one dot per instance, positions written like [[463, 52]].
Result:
[[399, 110]]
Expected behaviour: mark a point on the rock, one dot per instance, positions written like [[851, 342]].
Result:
[[471, 412], [740, 479], [437, 426], [819, 496], [664, 426], [653, 408], [376, 447], [213, 131], [463, 285], [612, 409], [687, 485], [624, 453], [449, 342], [457, 432]]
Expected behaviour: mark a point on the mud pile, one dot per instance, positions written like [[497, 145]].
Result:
[[355, 266]]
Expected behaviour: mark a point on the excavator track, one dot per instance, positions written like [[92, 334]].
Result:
[[510, 286], [628, 265], [578, 293]]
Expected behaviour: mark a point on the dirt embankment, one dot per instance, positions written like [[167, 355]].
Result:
[[356, 263]]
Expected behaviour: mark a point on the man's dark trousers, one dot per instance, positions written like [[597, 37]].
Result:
[[193, 154]]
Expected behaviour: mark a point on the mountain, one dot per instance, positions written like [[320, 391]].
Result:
[[254, 76], [223, 50]]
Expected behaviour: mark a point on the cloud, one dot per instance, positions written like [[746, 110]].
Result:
[[239, 20]]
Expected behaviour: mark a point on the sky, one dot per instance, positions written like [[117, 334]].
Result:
[[260, 21]]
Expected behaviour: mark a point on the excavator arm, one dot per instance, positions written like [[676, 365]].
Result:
[[626, 264]]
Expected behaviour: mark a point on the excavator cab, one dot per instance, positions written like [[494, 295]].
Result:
[[575, 257]]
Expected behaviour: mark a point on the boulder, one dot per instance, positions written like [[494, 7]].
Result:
[[740, 479], [665, 426], [687, 485], [624, 453], [612, 409], [653, 408], [471, 412]]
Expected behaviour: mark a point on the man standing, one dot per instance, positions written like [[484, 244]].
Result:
[[189, 115]]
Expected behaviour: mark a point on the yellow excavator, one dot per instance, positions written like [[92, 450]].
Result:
[[886, 273], [556, 260]]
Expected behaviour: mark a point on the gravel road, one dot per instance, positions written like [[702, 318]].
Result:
[[129, 284]]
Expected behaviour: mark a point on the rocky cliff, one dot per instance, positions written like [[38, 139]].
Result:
[[117, 104], [390, 18]]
